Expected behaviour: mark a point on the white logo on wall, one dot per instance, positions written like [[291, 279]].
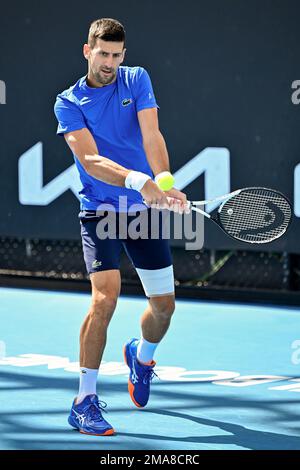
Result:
[[31, 189], [2, 92], [213, 162]]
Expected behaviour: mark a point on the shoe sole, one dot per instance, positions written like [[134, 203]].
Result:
[[130, 385], [109, 432]]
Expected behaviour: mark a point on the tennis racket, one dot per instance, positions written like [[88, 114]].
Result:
[[251, 215]]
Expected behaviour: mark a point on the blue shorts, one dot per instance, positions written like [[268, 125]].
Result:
[[151, 256]]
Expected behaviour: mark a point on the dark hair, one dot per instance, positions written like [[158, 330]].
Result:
[[106, 29]]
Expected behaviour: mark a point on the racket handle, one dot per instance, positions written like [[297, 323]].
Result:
[[168, 198], [189, 203]]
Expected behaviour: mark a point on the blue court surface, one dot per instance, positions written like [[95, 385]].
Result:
[[227, 376]]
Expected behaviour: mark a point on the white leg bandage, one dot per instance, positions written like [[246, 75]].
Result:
[[157, 281]]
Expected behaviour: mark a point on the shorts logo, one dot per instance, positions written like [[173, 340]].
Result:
[[126, 101], [96, 264]]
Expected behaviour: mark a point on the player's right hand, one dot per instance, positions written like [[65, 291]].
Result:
[[153, 196]]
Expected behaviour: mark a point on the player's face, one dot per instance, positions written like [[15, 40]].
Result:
[[104, 60]]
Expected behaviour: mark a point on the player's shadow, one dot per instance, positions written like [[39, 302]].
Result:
[[237, 435], [21, 431]]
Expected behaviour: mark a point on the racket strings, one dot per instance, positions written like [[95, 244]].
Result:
[[253, 223], [255, 216], [254, 210], [257, 222]]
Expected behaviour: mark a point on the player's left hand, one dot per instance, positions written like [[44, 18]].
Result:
[[178, 201]]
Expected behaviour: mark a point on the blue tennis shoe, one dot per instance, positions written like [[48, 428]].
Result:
[[87, 417], [140, 374]]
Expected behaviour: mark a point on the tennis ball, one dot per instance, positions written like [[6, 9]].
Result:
[[166, 182]]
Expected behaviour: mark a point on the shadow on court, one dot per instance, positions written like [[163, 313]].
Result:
[[21, 431]]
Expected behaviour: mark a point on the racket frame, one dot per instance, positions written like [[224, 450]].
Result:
[[226, 197]]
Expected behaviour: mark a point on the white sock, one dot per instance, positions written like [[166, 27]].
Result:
[[87, 384], [146, 350]]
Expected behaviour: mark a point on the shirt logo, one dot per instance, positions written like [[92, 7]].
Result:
[[85, 100], [126, 101]]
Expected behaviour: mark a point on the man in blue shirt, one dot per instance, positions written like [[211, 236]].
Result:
[[109, 120]]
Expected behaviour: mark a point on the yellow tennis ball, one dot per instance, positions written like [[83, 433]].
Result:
[[166, 182]]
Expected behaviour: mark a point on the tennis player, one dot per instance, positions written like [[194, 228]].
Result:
[[109, 120]]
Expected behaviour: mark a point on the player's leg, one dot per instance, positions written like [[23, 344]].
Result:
[[102, 263], [105, 292], [155, 323], [153, 262]]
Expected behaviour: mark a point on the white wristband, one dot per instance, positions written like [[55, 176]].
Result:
[[136, 180]]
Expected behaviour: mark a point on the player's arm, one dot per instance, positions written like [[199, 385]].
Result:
[[156, 150], [153, 141], [83, 145]]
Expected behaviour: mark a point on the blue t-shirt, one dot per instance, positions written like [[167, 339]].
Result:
[[110, 114]]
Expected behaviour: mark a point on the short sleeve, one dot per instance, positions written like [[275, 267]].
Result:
[[144, 94], [69, 116]]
